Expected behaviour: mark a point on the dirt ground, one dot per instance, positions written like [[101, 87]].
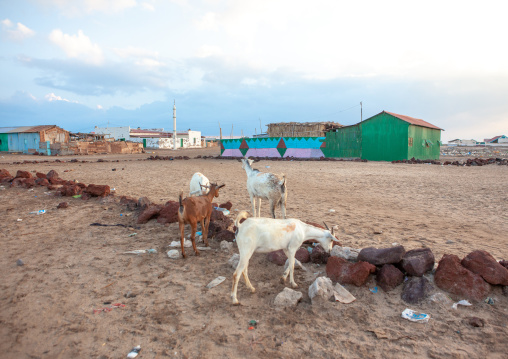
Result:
[[71, 268]]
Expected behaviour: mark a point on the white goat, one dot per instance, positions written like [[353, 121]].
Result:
[[199, 185], [267, 186], [265, 235]]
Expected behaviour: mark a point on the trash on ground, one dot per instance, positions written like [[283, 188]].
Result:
[[216, 282], [40, 211], [141, 251], [77, 196], [461, 302], [373, 290], [19, 262], [414, 316], [331, 211], [173, 254], [109, 309], [19, 220], [134, 352], [132, 234], [342, 295], [489, 300], [204, 248], [223, 210], [186, 244]]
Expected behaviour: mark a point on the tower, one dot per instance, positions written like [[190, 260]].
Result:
[[174, 125]]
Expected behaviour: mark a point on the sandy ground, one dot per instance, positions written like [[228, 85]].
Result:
[[72, 268]]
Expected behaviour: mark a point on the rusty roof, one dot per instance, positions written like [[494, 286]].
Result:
[[30, 129], [413, 121]]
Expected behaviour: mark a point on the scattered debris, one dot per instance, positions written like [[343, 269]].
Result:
[[373, 290], [141, 251], [287, 298], [173, 254], [20, 263], [216, 282], [489, 300], [342, 295], [134, 352], [40, 211], [461, 302], [186, 243], [414, 316], [233, 261], [132, 234]]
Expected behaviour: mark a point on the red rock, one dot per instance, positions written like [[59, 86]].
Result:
[[98, 190], [225, 235], [4, 173], [70, 191], [23, 174], [504, 264], [40, 175], [277, 257], [416, 290], [169, 213], [143, 203], [18, 182], [52, 174], [149, 213], [85, 196], [56, 181], [303, 255], [453, 277], [62, 205], [29, 182], [418, 261], [344, 272], [319, 255], [129, 202], [228, 205], [51, 187], [389, 277], [482, 263], [380, 256], [42, 182]]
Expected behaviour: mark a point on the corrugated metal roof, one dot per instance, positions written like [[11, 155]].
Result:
[[26, 129], [414, 121], [494, 138]]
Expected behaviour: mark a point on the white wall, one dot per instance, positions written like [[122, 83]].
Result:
[[115, 132]]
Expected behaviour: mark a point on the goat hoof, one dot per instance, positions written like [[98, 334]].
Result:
[[236, 302], [253, 290], [198, 254], [294, 285], [282, 280]]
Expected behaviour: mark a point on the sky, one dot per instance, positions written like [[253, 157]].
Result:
[[246, 63]]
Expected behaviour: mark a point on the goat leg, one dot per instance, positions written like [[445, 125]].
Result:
[[182, 238]]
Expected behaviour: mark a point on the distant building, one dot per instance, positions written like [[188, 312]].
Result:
[[459, 142], [299, 129], [152, 138], [29, 139], [498, 140]]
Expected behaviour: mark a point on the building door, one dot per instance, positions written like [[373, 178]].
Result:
[[144, 142], [181, 142]]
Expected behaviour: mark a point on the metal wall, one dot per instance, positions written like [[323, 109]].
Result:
[[425, 143], [384, 138], [345, 142], [4, 142], [22, 142]]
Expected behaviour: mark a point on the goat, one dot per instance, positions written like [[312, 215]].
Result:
[[199, 185], [267, 186], [196, 209], [265, 235]]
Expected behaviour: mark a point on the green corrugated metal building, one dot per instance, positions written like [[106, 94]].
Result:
[[386, 136]]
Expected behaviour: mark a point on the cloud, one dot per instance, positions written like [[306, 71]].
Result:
[[77, 46], [135, 52], [17, 33], [147, 6], [52, 97]]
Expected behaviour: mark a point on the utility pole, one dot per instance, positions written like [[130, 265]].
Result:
[[260, 128], [174, 125], [361, 112], [232, 131], [220, 130]]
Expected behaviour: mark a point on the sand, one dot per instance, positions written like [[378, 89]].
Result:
[[71, 268]]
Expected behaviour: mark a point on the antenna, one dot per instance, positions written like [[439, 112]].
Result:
[[361, 112], [231, 131]]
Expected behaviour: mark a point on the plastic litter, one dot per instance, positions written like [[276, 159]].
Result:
[[40, 211], [331, 211], [186, 244], [373, 290], [134, 352], [19, 220], [414, 316], [216, 282], [461, 302], [77, 196], [489, 300], [342, 295], [223, 210], [173, 254], [132, 234], [141, 251]]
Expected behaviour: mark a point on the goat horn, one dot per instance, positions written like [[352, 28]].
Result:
[[326, 226], [222, 185]]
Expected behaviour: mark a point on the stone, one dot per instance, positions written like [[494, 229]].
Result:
[[451, 276], [143, 203], [277, 257], [98, 190], [228, 205], [23, 174], [441, 298], [287, 298], [18, 182], [416, 289], [319, 255], [225, 235], [505, 290], [62, 205], [349, 254], [418, 261], [70, 191], [483, 264], [42, 182], [4, 173], [173, 254], [40, 175], [29, 182], [380, 256], [344, 272], [20, 263], [149, 213], [169, 213], [342, 295], [504, 264], [321, 289], [130, 294], [129, 202], [52, 174], [302, 255], [233, 261], [389, 277], [226, 246]]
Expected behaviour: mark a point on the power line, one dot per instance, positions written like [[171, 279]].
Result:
[[335, 113]]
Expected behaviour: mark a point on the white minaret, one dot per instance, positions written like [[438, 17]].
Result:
[[174, 125]]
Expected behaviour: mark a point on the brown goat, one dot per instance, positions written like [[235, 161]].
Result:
[[196, 209]]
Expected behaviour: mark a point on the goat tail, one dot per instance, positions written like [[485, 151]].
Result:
[[241, 215], [181, 204]]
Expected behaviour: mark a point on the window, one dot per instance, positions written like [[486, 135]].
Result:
[[410, 142]]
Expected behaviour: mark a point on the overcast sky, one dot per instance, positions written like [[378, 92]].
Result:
[[82, 63]]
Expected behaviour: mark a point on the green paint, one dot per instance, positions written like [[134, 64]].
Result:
[[344, 142], [4, 144], [282, 151], [243, 150]]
